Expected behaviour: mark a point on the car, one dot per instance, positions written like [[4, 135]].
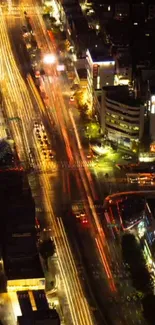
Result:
[[84, 221], [72, 99], [134, 180], [36, 124], [88, 154], [24, 29], [34, 64], [146, 182], [46, 142], [51, 156], [127, 157], [153, 181], [143, 179], [37, 74]]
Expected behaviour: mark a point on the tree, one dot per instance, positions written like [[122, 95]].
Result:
[[148, 303], [141, 279], [93, 130], [47, 248]]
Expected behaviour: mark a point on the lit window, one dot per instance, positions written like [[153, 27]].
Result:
[[109, 8], [135, 128]]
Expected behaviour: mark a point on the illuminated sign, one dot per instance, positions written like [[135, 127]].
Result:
[[153, 104], [95, 70], [106, 63]]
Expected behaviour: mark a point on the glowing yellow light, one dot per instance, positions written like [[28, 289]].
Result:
[[49, 59]]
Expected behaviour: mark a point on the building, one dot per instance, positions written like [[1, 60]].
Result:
[[100, 68], [123, 60], [76, 27], [50, 317], [121, 116], [34, 309], [138, 12], [122, 10], [22, 264], [151, 11]]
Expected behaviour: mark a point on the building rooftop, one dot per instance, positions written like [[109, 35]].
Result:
[[23, 268], [132, 209], [121, 94], [82, 73], [73, 11], [20, 246], [99, 54], [124, 59], [80, 25]]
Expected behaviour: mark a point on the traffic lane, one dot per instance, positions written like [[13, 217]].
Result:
[[46, 197], [71, 228], [93, 274], [94, 265], [51, 102], [15, 33]]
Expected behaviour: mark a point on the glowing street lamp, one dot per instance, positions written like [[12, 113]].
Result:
[[49, 59]]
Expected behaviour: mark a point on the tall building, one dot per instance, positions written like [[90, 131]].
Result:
[[22, 264], [18, 234], [121, 116], [100, 68]]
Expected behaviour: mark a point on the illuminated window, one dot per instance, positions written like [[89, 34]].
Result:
[[124, 125], [135, 128]]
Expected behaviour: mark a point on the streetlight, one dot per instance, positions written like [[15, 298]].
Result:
[[49, 59]]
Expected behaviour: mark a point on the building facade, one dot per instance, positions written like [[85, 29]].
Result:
[[121, 118], [100, 70]]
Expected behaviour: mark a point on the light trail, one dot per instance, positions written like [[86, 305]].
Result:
[[69, 274], [40, 33], [15, 88]]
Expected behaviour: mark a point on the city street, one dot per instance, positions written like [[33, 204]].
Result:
[[57, 184], [21, 106]]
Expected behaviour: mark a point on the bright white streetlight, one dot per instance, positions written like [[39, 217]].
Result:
[[49, 59]]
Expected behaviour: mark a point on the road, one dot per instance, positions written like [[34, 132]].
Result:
[[59, 112], [84, 180], [19, 102]]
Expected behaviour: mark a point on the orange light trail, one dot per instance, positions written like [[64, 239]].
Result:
[[106, 266]]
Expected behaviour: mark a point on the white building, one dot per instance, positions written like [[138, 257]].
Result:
[[100, 69], [121, 116]]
